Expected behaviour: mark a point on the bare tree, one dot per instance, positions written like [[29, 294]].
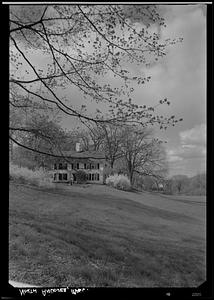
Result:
[[144, 155], [92, 137], [180, 181], [112, 142]]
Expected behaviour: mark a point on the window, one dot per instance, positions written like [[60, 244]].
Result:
[[89, 177], [65, 176], [72, 166], [92, 166], [92, 177], [98, 177], [63, 166], [54, 176], [55, 167], [98, 166], [77, 165], [84, 166]]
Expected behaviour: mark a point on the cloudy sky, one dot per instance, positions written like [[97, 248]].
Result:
[[181, 77]]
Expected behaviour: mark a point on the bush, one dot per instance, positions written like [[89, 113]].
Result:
[[120, 182], [38, 177], [81, 177]]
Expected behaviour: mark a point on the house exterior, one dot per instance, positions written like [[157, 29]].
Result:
[[92, 163]]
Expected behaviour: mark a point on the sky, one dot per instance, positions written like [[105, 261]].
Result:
[[180, 77]]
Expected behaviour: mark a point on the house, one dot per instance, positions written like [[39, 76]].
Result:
[[91, 162]]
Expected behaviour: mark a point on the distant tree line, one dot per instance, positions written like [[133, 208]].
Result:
[[181, 184], [178, 184]]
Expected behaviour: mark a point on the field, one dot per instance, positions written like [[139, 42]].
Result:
[[97, 236]]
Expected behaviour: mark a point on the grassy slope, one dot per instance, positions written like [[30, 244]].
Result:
[[96, 236]]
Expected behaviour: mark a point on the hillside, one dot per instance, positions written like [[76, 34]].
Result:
[[98, 236]]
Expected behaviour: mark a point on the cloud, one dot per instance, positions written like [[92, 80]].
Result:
[[192, 144], [186, 153], [172, 156], [194, 136], [190, 154]]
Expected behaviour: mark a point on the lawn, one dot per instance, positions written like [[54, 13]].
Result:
[[98, 236]]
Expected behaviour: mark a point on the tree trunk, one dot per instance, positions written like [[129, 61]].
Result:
[[157, 186], [131, 177], [112, 163]]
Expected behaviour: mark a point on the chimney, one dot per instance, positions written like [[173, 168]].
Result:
[[78, 147]]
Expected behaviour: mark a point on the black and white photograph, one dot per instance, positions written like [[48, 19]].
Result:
[[107, 145]]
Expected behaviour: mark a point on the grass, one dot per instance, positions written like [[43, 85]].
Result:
[[97, 236]]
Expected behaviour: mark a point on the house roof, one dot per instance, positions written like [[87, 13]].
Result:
[[84, 154]]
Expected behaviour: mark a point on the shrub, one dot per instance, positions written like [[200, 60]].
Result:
[[37, 177], [120, 182], [81, 176]]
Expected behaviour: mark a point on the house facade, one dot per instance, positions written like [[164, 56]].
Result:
[[92, 163]]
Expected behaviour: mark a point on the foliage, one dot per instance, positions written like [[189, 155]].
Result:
[[23, 158], [120, 182], [37, 177], [81, 176]]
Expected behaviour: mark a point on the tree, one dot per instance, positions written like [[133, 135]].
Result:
[[180, 181], [112, 142], [169, 186], [79, 45], [41, 134], [15, 121], [196, 185], [144, 155], [92, 137]]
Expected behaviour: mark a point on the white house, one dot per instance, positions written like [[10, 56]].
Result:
[[91, 162]]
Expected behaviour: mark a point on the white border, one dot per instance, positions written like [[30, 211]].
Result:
[[160, 3]]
